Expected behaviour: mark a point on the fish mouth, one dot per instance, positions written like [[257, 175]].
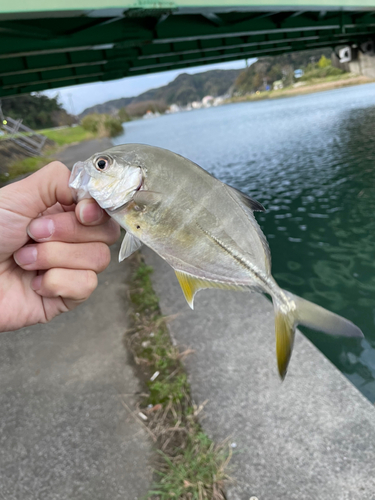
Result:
[[79, 182]]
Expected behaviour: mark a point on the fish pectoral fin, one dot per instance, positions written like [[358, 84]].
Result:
[[129, 245], [190, 285], [145, 198]]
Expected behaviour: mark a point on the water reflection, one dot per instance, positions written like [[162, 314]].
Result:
[[310, 160]]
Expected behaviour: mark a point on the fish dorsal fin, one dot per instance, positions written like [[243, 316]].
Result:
[[129, 245], [145, 197], [249, 202], [249, 205], [192, 284]]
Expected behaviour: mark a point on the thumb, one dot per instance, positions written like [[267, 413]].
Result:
[[24, 200]]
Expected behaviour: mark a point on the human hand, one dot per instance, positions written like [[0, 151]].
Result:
[[50, 249]]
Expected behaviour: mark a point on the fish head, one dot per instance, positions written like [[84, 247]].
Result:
[[109, 178]]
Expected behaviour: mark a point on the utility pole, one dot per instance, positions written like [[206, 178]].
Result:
[[70, 96]]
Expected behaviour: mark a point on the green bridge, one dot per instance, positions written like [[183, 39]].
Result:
[[47, 44]]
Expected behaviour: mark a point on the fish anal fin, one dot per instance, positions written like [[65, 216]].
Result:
[[190, 285], [128, 246]]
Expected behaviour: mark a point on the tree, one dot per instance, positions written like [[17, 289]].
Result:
[[37, 111]]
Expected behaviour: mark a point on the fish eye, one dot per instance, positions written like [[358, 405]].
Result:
[[101, 164]]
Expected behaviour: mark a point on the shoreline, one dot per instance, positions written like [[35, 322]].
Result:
[[311, 88]]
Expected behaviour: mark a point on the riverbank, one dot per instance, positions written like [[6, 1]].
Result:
[[16, 162], [310, 87]]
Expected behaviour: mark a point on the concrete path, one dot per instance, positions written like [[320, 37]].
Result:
[[312, 437], [64, 432], [83, 150]]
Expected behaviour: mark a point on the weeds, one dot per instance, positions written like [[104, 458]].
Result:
[[26, 166], [191, 466], [68, 135]]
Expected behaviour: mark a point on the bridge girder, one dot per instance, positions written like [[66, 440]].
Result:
[[42, 51]]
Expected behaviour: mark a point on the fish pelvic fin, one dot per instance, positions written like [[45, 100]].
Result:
[[190, 285], [298, 311]]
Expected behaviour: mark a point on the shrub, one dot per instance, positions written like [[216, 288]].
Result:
[[112, 126], [102, 125], [324, 62], [123, 115], [322, 73], [91, 122]]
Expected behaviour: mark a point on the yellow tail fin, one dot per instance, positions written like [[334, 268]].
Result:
[[298, 311], [284, 330]]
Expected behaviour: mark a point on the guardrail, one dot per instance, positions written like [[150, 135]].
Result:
[[24, 136]]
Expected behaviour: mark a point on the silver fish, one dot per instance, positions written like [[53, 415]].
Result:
[[202, 227]]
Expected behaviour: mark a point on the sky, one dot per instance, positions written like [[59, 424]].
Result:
[[79, 97]]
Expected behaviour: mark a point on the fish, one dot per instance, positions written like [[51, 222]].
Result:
[[203, 228]]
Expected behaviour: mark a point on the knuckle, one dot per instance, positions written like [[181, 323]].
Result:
[[91, 282], [113, 231], [42, 256], [67, 227], [52, 281], [104, 257], [56, 165]]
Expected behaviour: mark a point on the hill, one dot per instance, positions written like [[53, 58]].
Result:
[[267, 70], [183, 89]]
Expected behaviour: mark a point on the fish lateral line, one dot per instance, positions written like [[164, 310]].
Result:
[[243, 262]]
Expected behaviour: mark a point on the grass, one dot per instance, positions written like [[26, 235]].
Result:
[[60, 137], [26, 166], [190, 465], [67, 135]]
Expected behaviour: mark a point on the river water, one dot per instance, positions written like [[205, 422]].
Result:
[[310, 160]]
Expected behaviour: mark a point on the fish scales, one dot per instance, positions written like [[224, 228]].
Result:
[[205, 202]]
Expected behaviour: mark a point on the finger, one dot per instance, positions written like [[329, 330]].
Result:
[[65, 227], [93, 256], [69, 208], [70, 285], [43, 189], [88, 212]]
